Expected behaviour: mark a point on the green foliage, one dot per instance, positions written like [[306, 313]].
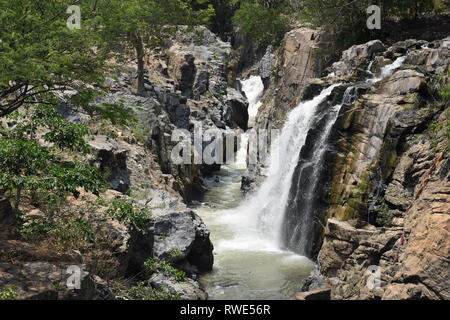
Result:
[[347, 19], [9, 293], [127, 212], [117, 114], [73, 234], [174, 253], [153, 265], [40, 58], [35, 228], [265, 25], [444, 93], [63, 233], [143, 292], [30, 165], [135, 25], [383, 214]]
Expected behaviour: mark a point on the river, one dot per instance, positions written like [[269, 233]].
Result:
[[247, 264]]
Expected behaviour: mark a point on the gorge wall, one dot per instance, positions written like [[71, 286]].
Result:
[[384, 196]]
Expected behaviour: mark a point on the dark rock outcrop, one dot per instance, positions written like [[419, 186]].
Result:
[[183, 239]]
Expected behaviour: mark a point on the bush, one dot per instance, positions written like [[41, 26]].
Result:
[[264, 25], [153, 265], [9, 293], [383, 214], [130, 214], [28, 165], [61, 233]]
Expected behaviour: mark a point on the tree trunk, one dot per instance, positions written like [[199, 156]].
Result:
[[139, 47], [17, 198]]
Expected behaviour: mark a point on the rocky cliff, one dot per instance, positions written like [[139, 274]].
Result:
[[186, 85], [384, 200], [391, 169]]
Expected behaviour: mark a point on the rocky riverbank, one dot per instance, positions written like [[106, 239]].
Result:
[[185, 84]]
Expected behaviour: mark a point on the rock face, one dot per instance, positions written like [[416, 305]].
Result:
[[286, 76], [43, 275], [183, 239], [292, 70], [186, 89], [390, 170]]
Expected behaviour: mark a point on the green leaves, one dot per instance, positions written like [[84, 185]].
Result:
[[264, 25], [117, 114], [130, 214], [39, 54], [31, 159]]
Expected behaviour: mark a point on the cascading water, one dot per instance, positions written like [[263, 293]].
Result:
[[304, 212], [249, 263], [269, 202], [249, 234]]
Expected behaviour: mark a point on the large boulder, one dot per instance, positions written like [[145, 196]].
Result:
[[404, 82], [182, 238], [236, 112], [356, 56]]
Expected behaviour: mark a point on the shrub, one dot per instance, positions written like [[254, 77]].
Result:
[[130, 214], [384, 216], [153, 265], [264, 25], [9, 293]]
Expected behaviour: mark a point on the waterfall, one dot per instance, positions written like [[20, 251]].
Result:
[[267, 205], [388, 70], [286, 210], [300, 215], [303, 215], [253, 88]]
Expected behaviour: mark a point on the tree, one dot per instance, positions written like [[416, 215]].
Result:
[[144, 24], [39, 54], [347, 18], [44, 153], [264, 21]]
